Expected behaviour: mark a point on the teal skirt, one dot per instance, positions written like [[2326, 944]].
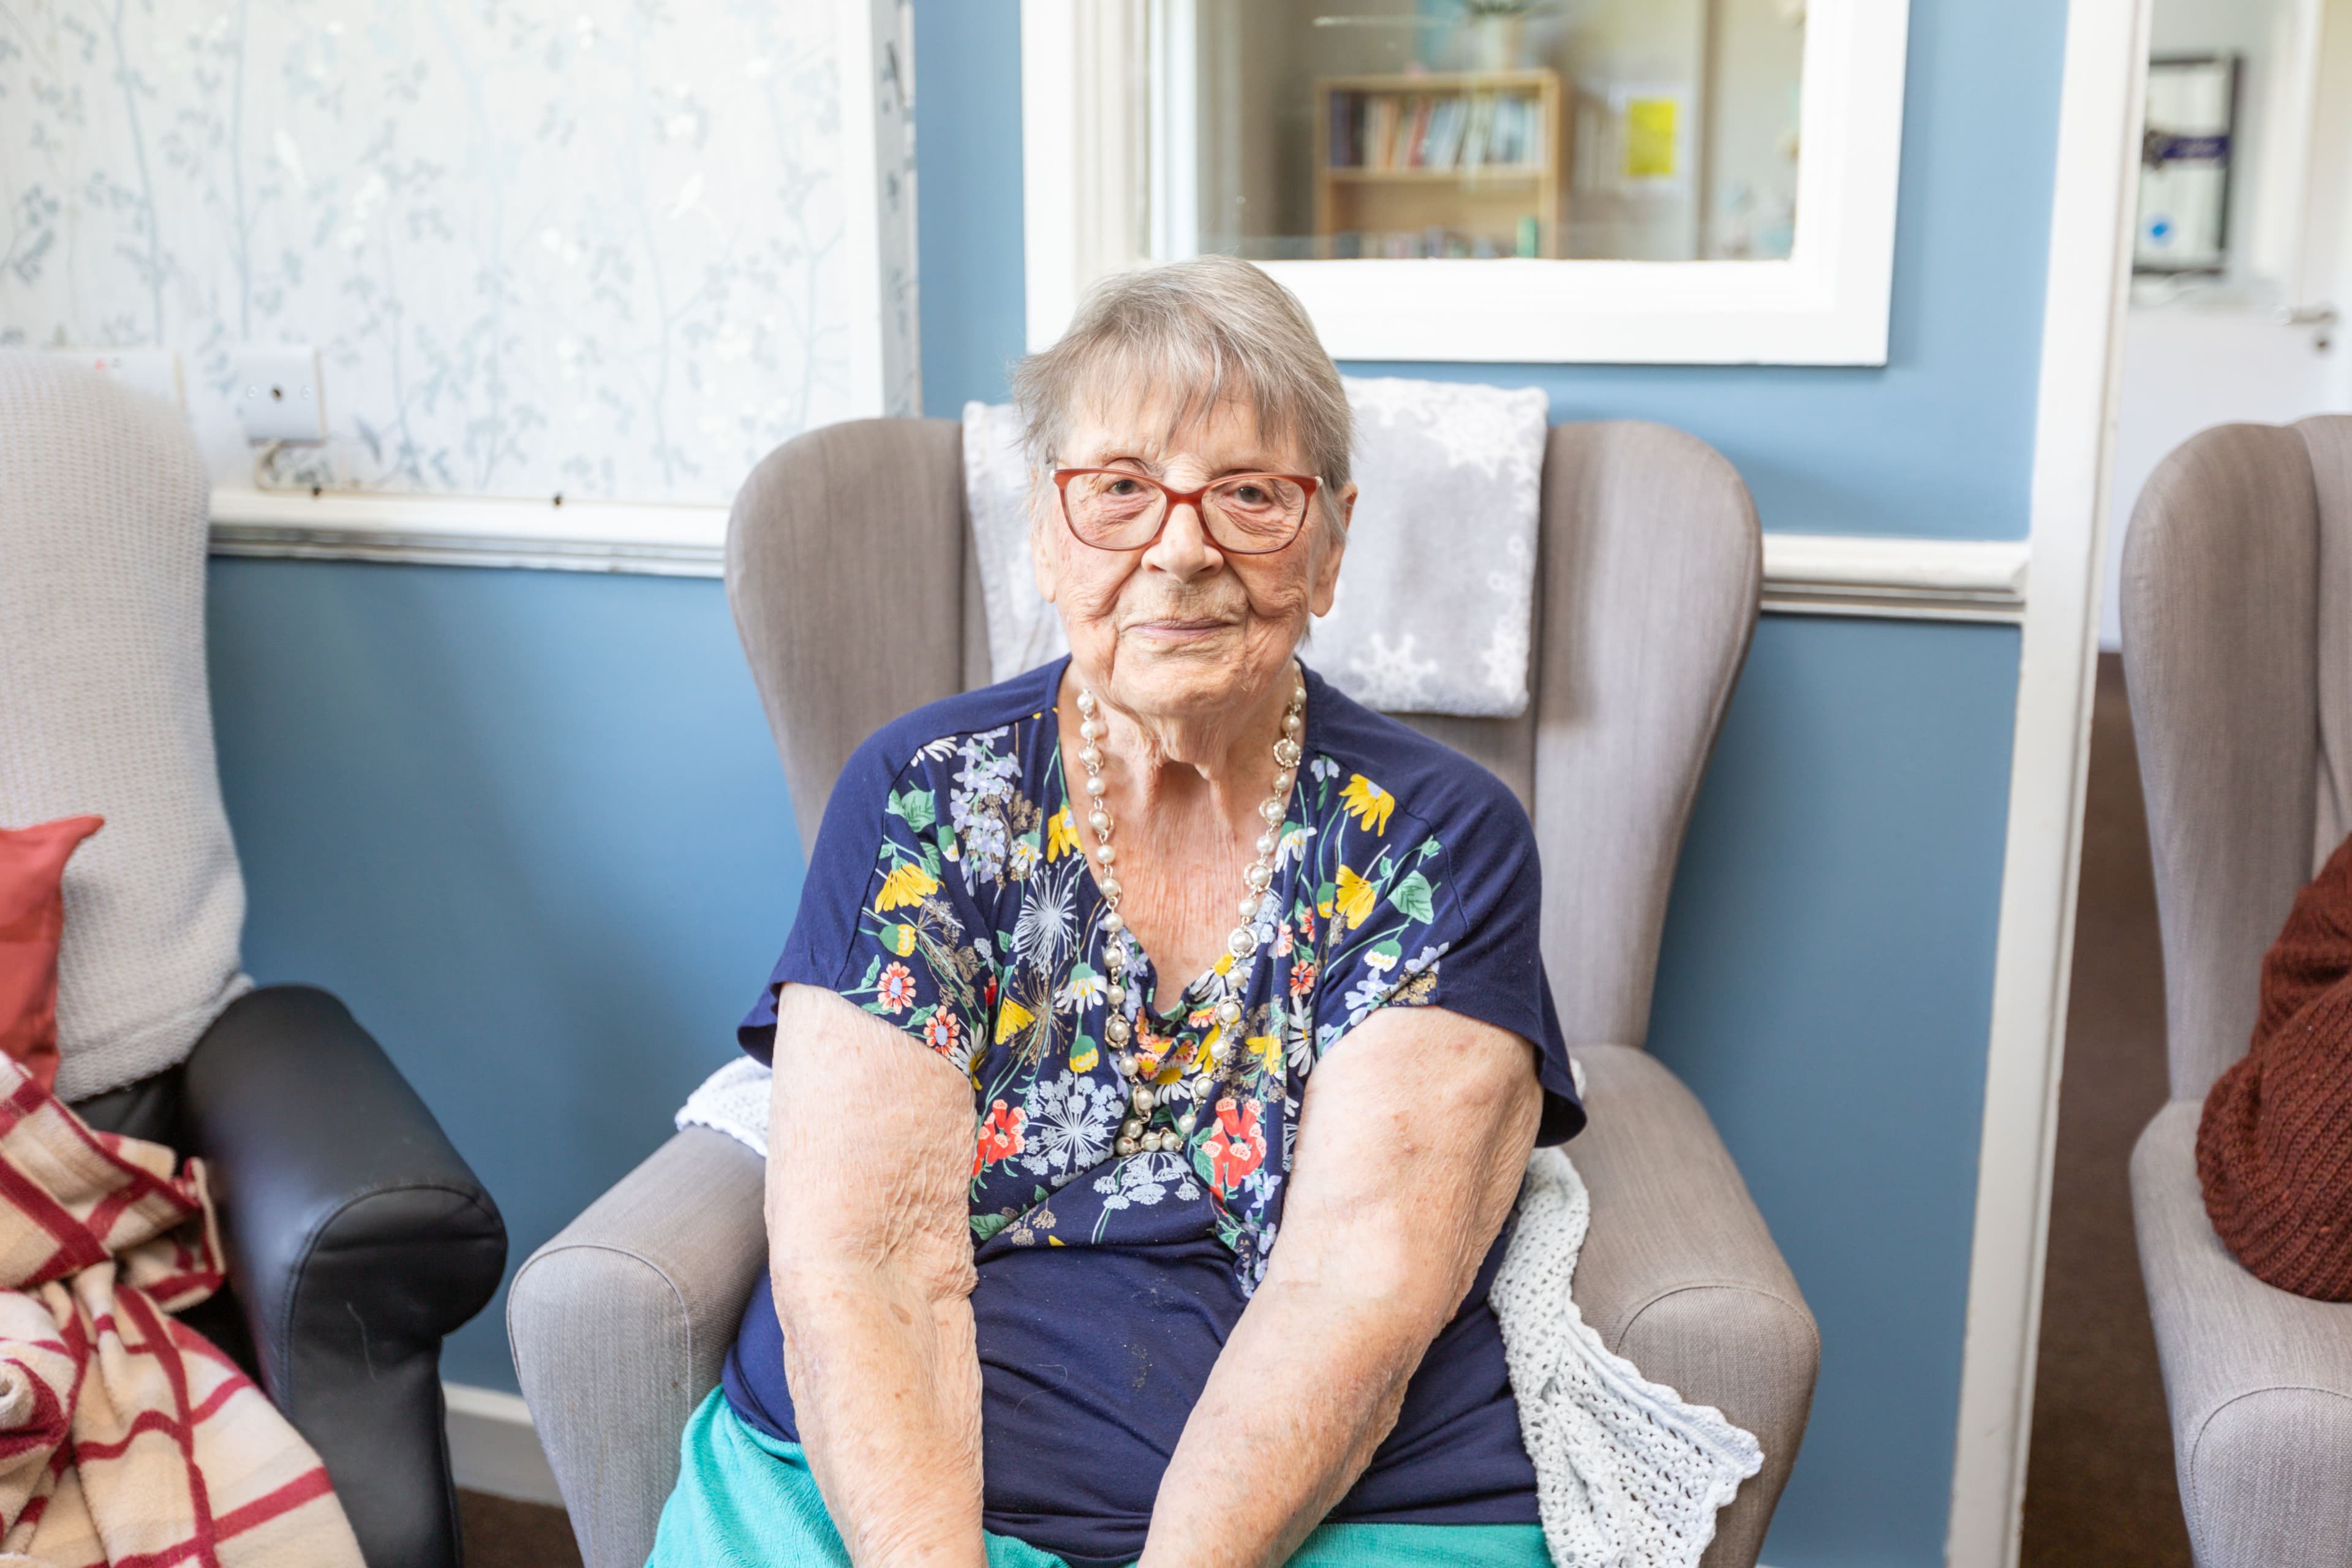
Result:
[[746, 1500]]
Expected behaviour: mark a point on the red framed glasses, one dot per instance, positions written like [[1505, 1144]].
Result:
[[1244, 514]]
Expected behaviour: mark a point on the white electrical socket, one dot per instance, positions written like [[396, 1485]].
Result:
[[277, 393], [156, 372]]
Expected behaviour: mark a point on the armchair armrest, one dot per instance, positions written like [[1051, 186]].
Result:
[[620, 1324], [357, 1237], [1680, 1276]]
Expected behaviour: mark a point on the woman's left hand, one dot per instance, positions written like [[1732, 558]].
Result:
[[1412, 1138]]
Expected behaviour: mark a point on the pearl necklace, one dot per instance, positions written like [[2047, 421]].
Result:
[[1136, 1135]]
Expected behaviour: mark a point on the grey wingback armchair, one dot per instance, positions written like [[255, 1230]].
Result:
[[1650, 567], [2237, 617]]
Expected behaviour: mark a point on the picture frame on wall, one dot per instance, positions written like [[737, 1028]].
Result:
[[1116, 144], [2186, 158]]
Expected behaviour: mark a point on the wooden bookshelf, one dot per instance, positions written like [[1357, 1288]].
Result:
[[1448, 163]]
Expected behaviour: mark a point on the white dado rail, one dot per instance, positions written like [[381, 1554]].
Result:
[[1919, 579], [471, 531], [1804, 574]]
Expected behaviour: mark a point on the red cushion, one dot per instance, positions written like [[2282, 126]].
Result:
[[32, 918]]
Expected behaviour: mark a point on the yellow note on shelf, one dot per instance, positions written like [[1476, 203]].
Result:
[[1650, 139]]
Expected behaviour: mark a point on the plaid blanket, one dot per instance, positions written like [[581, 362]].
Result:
[[127, 1440]]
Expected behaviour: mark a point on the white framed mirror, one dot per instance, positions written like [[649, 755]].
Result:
[[1668, 182]]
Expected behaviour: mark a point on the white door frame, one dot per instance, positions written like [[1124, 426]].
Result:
[[2091, 219], [2323, 273]]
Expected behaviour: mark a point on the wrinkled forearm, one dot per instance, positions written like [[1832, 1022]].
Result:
[[1275, 1467], [870, 1253], [885, 1390], [1411, 1144]]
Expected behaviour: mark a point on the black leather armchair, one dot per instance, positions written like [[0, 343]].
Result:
[[357, 1238]]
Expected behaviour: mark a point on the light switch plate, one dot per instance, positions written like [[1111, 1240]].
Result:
[[277, 393], [156, 372]]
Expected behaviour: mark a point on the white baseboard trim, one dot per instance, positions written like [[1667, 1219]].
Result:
[[1807, 574], [494, 1447]]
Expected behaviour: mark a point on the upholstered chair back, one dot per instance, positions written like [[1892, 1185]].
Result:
[[857, 590], [2236, 618], [104, 707]]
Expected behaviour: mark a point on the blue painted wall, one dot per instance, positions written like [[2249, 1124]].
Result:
[[1825, 988], [530, 825], [968, 188]]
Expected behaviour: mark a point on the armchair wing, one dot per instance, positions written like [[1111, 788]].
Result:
[[357, 1237]]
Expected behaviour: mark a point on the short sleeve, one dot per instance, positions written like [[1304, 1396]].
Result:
[[882, 922], [1443, 909]]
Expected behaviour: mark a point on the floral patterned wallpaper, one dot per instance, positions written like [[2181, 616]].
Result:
[[595, 246]]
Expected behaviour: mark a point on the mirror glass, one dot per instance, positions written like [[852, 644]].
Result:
[[1632, 130]]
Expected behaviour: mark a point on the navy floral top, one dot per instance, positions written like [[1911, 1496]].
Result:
[[948, 895]]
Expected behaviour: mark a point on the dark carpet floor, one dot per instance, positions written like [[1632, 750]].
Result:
[[2099, 1489], [504, 1534]]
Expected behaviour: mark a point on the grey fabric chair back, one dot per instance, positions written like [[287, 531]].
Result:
[[2237, 620], [850, 567], [104, 707]]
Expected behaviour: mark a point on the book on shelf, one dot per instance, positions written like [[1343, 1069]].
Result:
[[1466, 131], [1339, 139]]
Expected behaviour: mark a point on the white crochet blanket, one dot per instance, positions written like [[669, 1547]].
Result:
[[1627, 1474]]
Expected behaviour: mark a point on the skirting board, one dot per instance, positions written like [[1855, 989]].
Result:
[[1804, 574], [494, 1447]]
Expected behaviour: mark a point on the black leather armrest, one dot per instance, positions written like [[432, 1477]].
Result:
[[357, 1237]]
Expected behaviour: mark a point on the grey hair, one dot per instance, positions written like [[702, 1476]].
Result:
[[1209, 329]]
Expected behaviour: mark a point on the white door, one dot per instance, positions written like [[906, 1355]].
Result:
[[2268, 338]]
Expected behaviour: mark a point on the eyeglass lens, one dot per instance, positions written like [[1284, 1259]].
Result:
[[1250, 512]]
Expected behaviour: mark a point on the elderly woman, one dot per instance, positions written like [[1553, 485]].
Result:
[[1158, 1048]]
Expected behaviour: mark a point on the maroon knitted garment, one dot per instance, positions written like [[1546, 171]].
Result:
[[2274, 1148]]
